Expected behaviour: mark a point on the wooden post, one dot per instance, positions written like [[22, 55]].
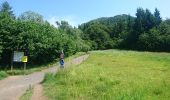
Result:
[[12, 61], [11, 66], [24, 67]]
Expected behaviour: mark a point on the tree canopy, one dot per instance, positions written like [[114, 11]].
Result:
[[40, 41], [146, 31], [31, 16]]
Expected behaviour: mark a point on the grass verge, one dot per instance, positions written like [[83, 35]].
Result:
[[27, 95], [3, 75]]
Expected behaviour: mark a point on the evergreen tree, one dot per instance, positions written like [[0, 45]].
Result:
[[158, 19], [6, 10]]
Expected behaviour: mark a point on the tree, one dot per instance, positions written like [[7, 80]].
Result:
[[31, 16], [149, 20], [150, 41], [7, 32], [158, 19], [63, 25], [6, 10], [144, 22], [97, 34]]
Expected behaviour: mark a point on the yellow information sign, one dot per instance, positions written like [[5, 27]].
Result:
[[25, 59]]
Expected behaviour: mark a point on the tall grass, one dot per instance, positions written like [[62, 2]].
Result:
[[113, 75]]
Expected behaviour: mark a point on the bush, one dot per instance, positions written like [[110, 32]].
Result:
[[3, 74]]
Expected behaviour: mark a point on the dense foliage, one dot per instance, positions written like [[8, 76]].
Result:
[[31, 34], [107, 33], [147, 31], [43, 42]]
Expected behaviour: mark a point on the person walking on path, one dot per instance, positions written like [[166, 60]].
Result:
[[62, 59]]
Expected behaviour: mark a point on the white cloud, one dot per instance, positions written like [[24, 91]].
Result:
[[72, 20]]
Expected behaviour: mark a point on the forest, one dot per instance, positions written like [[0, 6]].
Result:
[[146, 31], [42, 42]]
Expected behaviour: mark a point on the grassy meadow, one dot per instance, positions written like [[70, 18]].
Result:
[[113, 75]]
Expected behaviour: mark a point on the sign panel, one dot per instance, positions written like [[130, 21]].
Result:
[[18, 56], [24, 59]]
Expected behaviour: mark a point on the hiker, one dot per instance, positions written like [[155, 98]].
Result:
[[62, 59]]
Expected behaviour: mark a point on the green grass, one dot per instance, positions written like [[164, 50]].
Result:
[[3, 75], [113, 75], [29, 70], [27, 95], [75, 56]]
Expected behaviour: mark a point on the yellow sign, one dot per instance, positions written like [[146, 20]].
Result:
[[24, 59]]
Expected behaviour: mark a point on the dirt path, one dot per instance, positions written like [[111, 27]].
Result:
[[13, 87], [38, 93]]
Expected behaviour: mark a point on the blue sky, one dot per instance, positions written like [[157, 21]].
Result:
[[80, 11]]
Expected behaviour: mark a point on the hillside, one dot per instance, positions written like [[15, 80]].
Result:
[[107, 32], [111, 21]]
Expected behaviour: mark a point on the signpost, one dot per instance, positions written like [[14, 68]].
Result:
[[19, 57]]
